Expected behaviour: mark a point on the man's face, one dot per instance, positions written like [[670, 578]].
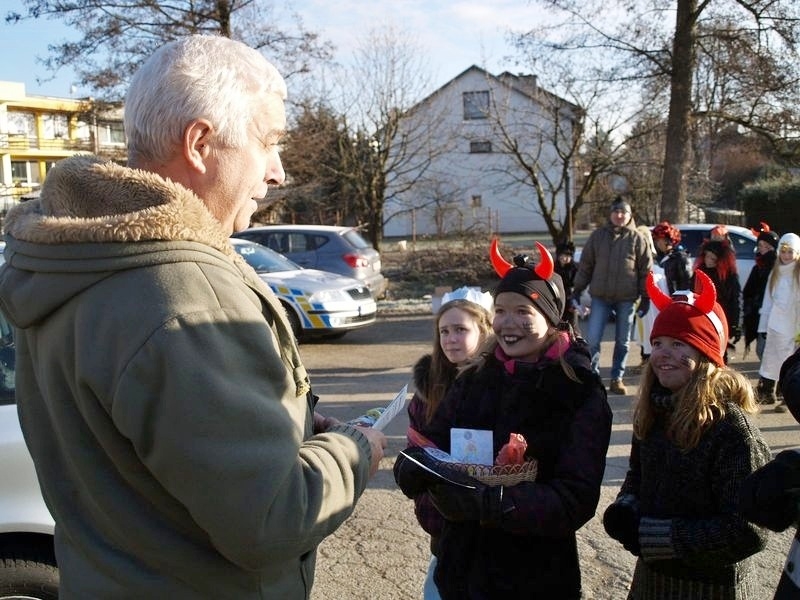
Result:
[[238, 177], [620, 217], [662, 244]]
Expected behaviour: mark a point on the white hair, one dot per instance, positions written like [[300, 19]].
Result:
[[199, 76]]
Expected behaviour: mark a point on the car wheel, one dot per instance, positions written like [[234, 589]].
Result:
[[28, 575], [294, 322]]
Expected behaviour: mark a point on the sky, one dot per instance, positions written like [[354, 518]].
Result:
[[452, 34]]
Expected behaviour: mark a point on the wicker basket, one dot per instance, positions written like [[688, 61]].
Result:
[[506, 475]]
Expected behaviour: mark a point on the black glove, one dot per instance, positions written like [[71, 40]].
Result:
[[411, 478], [484, 503], [621, 522], [769, 496], [735, 334], [644, 306]]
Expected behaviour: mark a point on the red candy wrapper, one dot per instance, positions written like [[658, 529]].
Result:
[[512, 453]]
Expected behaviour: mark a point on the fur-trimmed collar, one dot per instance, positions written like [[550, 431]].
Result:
[[86, 199]]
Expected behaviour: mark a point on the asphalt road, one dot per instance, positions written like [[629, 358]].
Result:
[[381, 552]]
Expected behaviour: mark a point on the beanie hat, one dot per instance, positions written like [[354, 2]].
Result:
[[715, 247], [620, 204], [565, 248], [536, 282], [695, 318], [791, 240], [765, 234]]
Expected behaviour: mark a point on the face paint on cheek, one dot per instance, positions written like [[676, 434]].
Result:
[[527, 327], [688, 362]]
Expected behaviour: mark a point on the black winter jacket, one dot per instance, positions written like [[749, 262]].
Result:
[[567, 425]]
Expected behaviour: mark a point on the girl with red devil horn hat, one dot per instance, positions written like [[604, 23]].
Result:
[[532, 383], [693, 447]]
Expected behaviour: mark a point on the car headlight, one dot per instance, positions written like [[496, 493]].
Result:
[[326, 296]]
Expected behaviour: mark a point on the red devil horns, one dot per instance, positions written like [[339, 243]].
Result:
[[544, 269], [703, 298], [764, 228]]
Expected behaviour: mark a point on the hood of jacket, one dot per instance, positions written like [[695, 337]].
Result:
[[82, 225], [95, 218]]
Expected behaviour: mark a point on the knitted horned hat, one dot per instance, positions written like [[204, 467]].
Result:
[[692, 317], [537, 282], [765, 234]]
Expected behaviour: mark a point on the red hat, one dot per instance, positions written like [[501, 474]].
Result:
[[692, 317]]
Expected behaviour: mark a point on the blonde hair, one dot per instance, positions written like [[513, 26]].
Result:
[[775, 274], [698, 404], [443, 372]]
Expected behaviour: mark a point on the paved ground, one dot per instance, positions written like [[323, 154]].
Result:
[[381, 553]]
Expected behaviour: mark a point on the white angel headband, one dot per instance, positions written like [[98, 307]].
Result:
[[471, 294]]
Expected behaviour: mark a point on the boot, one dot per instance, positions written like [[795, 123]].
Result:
[[765, 392]]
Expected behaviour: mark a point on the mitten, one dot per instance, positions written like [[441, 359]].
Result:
[[411, 478], [621, 522], [484, 503], [769, 496], [644, 307]]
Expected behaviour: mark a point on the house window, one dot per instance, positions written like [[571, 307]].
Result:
[[476, 105], [477, 201], [111, 133], [54, 126], [21, 123], [24, 172], [480, 147]]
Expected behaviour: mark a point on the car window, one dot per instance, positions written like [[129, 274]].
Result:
[[263, 260], [299, 242], [692, 239], [355, 239], [744, 247], [318, 241]]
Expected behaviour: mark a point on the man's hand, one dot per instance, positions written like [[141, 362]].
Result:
[[323, 423], [644, 307], [377, 442]]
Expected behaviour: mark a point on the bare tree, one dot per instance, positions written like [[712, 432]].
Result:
[[117, 36], [388, 153], [629, 45]]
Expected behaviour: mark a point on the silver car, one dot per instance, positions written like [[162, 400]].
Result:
[[340, 250]]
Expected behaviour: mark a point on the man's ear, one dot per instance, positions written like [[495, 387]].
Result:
[[196, 143]]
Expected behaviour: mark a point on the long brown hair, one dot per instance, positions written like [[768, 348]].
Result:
[[697, 405], [443, 372]]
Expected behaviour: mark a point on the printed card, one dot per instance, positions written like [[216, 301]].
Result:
[[472, 446]]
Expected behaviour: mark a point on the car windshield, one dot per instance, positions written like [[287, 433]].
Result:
[[264, 260]]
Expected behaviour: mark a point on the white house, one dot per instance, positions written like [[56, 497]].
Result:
[[471, 181]]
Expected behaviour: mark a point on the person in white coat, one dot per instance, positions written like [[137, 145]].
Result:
[[780, 317]]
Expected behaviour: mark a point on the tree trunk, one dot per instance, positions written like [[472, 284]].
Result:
[[676, 154]]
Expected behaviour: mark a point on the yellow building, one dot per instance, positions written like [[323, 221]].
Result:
[[37, 131]]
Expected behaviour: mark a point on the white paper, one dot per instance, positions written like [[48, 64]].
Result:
[[394, 407]]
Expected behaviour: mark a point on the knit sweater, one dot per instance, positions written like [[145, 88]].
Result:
[[694, 544]]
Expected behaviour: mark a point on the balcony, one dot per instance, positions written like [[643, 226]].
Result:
[[11, 142]]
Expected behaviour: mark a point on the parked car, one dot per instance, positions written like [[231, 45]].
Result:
[[743, 242], [340, 250], [317, 302], [27, 558]]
